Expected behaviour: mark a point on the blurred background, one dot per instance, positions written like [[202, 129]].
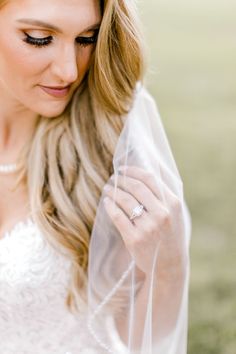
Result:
[[192, 75]]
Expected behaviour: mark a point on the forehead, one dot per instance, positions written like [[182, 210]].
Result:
[[62, 13]]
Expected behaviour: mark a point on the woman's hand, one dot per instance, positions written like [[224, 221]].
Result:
[[159, 228]]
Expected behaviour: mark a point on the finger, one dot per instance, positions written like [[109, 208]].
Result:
[[124, 200], [120, 220], [149, 179], [138, 190], [146, 220], [164, 186]]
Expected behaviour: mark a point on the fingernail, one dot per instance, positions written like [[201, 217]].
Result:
[[122, 168], [106, 200], [107, 187]]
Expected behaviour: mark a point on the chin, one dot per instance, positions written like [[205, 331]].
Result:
[[53, 112]]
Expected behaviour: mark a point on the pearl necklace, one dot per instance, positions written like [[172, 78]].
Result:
[[6, 169]]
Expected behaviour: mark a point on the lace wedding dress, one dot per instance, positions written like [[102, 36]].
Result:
[[34, 277], [34, 281]]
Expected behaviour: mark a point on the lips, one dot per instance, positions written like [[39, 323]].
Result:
[[56, 91]]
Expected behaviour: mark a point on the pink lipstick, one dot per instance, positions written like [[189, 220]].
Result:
[[56, 91]]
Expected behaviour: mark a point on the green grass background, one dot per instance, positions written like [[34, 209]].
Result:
[[192, 75]]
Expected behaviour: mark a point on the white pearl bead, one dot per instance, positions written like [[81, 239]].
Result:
[[8, 168]]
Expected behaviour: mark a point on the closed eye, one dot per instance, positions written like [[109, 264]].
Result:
[[41, 42], [84, 41]]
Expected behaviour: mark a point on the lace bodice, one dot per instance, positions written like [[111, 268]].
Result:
[[34, 280]]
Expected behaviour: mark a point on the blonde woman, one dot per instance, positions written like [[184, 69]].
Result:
[[94, 230]]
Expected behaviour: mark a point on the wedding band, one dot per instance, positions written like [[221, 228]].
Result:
[[137, 211]]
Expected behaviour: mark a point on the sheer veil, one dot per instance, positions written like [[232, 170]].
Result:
[[117, 320]]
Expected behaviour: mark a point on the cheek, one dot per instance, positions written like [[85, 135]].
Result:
[[84, 58], [18, 63]]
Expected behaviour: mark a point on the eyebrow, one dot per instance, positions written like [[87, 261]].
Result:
[[40, 23]]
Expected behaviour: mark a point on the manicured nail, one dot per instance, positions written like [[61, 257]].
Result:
[[106, 200], [107, 187], [122, 168]]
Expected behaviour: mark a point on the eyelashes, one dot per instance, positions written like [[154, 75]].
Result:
[[42, 42], [38, 42]]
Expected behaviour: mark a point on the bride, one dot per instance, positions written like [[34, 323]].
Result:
[[94, 229]]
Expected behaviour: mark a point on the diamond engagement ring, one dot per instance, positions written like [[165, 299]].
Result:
[[137, 211]]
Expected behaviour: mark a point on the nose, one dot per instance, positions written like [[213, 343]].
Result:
[[65, 65]]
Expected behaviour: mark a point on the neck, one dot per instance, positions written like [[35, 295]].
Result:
[[17, 124], [13, 136]]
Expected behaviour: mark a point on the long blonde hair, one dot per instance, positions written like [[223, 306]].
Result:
[[69, 158]]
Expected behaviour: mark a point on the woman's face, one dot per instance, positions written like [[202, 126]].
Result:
[[62, 57]]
